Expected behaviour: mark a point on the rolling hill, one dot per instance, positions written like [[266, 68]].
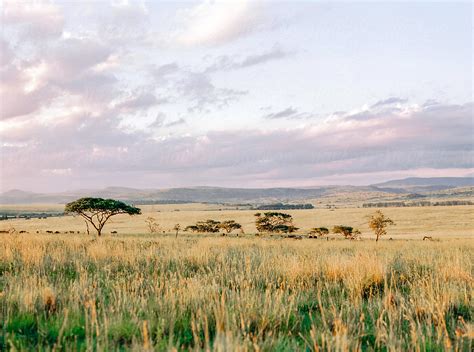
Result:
[[406, 188]]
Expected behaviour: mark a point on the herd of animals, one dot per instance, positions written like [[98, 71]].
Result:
[[296, 237], [13, 230]]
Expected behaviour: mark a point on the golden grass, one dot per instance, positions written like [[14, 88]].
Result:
[[416, 222], [150, 292]]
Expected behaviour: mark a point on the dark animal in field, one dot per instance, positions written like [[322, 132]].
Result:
[[78, 231], [72, 231], [390, 239], [49, 231], [429, 238], [4, 231], [37, 231], [113, 232], [57, 232], [23, 231]]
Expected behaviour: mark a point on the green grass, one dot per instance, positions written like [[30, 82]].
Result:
[[135, 293]]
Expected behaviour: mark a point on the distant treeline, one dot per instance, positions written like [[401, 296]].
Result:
[[417, 204], [281, 206], [160, 201]]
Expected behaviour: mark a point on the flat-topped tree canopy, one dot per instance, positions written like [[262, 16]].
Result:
[[273, 221], [97, 211]]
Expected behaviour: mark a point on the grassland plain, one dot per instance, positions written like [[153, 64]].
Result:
[[139, 291], [414, 222], [129, 292]]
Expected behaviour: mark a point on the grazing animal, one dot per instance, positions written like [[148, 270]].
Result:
[[57, 232], [429, 238], [49, 231], [71, 231], [113, 232], [23, 231], [4, 231]]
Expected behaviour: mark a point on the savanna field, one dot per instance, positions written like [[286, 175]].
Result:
[[139, 291]]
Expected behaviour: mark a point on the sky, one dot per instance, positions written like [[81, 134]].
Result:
[[233, 93]]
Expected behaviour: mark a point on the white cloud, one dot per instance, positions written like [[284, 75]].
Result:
[[57, 172], [33, 19], [34, 76], [430, 138], [69, 84], [227, 63], [216, 22]]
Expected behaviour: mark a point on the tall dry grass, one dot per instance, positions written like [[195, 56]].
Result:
[[72, 292]]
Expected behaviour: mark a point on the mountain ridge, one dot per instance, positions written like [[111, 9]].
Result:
[[211, 194]]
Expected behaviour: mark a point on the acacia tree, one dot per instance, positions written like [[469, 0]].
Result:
[[97, 211], [192, 228], [378, 223], [318, 231], [152, 225], [347, 231], [211, 226], [177, 227], [274, 222], [208, 226], [230, 225]]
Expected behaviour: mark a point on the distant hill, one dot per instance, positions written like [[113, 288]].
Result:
[[192, 194], [429, 181], [409, 187]]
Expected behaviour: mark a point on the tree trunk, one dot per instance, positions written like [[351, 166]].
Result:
[[87, 226], [177, 233]]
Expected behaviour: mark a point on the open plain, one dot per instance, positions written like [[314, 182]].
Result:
[[141, 291], [411, 222]]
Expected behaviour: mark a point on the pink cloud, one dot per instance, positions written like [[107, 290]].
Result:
[[86, 144]]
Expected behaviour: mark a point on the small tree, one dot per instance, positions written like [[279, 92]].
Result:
[[318, 231], [346, 231], [230, 225], [211, 226], [97, 211], [192, 228], [274, 222], [177, 227], [153, 226], [378, 223], [284, 228]]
